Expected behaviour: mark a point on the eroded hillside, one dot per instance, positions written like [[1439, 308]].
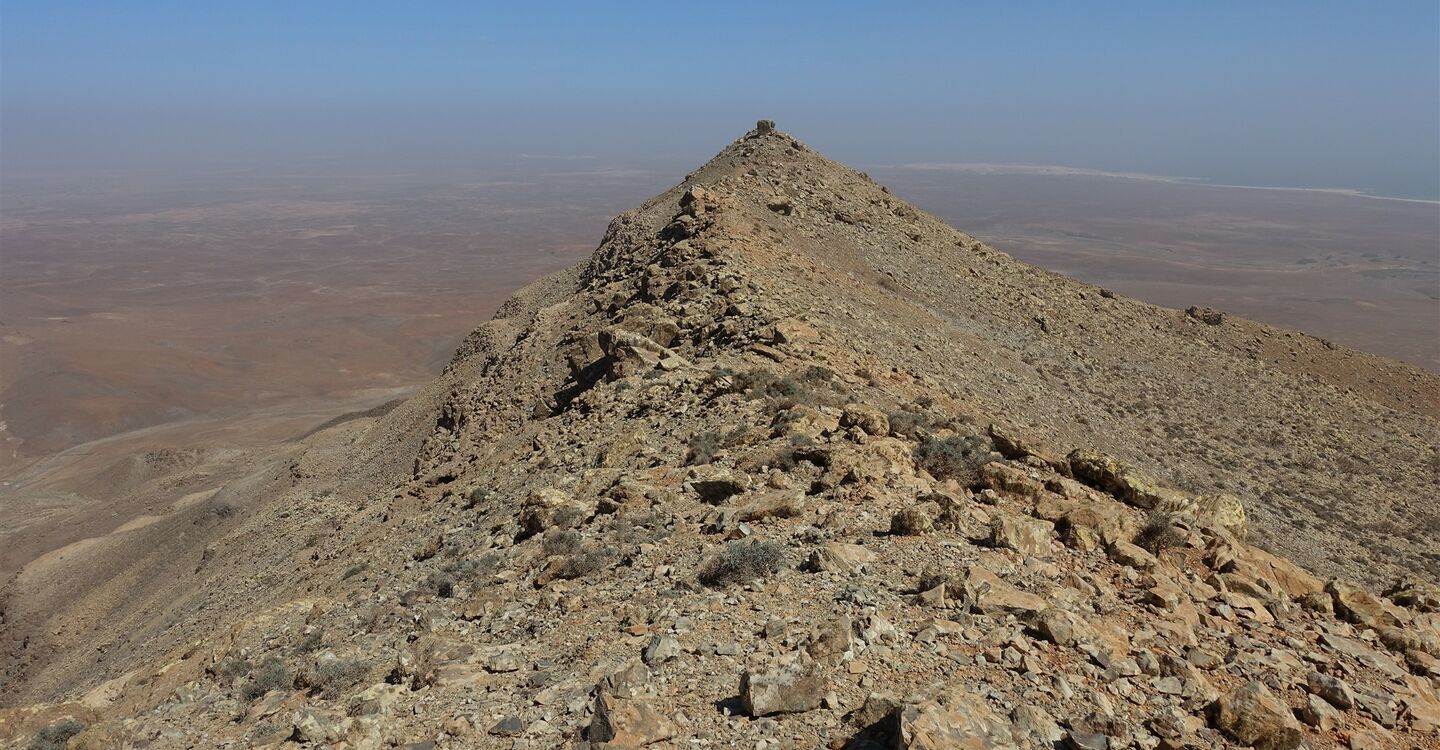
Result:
[[789, 463]]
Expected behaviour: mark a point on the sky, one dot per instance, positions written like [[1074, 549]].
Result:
[[1300, 94]]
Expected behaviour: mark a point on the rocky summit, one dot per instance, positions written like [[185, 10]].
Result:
[[788, 463]]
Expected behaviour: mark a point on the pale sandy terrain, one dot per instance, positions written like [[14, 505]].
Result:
[[1363, 272], [127, 305]]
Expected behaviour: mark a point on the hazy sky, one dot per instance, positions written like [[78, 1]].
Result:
[[1329, 94]]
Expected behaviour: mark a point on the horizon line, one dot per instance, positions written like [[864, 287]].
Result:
[[1060, 170]]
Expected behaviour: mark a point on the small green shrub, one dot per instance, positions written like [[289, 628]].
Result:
[[955, 457], [474, 569], [584, 562], [440, 583], [703, 447], [1159, 533], [476, 497], [332, 678], [572, 515], [272, 674], [814, 385], [741, 562], [635, 528], [232, 669], [56, 736], [311, 642], [560, 542], [913, 425]]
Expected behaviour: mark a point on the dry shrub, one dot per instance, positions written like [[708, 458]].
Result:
[[955, 457], [703, 447], [742, 562], [56, 736], [1159, 533], [560, 542], [333, 677], [272, 674], [584, 562]]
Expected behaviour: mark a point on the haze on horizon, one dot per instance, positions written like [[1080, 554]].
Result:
[[1335, 95]]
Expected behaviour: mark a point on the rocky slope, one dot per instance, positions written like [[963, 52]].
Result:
[[788, 463]]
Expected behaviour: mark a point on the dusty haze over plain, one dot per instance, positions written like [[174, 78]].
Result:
[[1332, 95]]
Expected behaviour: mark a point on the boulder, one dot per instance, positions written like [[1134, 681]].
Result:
[[1333, 689], [793, 331], [832, 641], [715, 485], [915, 520], [867, 418], [1317, 601], [503, 661], [630, 353], [1318, 713], [1062, 627], [1355, 604], [1135, 487], [1069, 488], [1370, 738], [1002, 478], [773, 504], [1053, 507], [874, 722], [1271, 571], [1078, 740], [838, 557], [549, 508], [1029, 536], [1126, 553], [887, 457], [627, 723], [651, 322], [793, 688], [1095, 526], [661, 648], [801, 419], [1012, 445], [1415, 594], [1207, 315], [1252, 716], [315, 727], [376, 699], [1362, 653], [1421, 699], [986, 593], [1222, 511], [950, 719], [1034, 726]]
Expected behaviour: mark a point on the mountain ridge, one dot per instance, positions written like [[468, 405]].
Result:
[[780, 354]]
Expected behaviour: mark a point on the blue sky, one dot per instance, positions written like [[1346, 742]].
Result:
[[1325, 94]]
